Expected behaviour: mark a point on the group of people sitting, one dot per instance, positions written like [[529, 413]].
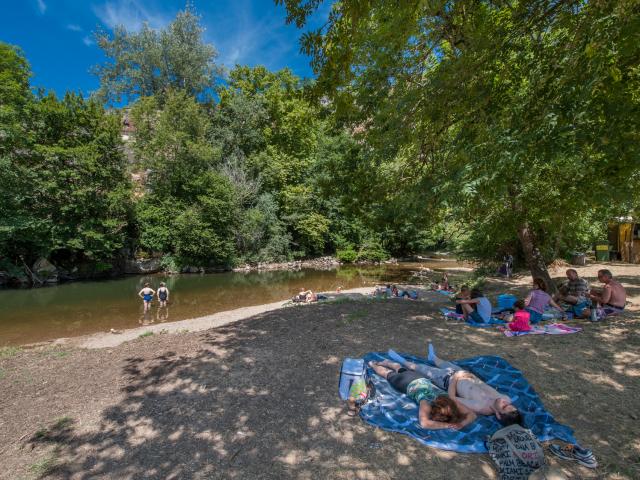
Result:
[[578, 298]]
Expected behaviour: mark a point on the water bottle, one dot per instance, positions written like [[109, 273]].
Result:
[[594, 312]]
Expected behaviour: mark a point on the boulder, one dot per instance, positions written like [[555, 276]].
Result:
[[45, 271]]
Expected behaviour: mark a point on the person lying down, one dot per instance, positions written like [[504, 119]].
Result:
[[435, 412], [467, 395]]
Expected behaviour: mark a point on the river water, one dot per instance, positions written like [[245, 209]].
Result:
[[73, 309]]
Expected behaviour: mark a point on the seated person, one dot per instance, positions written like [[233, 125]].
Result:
[[538, 299], [575, 293], [468, 390], [445, 282], [464, 294], [477, 308], [520, 319], [394, 291], [435, 412], [612, 297]]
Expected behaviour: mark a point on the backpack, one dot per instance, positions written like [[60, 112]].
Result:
[[516, 452]]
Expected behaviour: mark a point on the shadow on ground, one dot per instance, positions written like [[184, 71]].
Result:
[[258, 399]]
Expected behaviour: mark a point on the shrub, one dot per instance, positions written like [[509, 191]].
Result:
[[348, 255]]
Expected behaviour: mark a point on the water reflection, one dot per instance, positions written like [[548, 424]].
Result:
[[86, 307]]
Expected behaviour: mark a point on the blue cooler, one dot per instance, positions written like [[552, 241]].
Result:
[[506, 301]]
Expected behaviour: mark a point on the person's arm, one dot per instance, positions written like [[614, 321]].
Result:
[[469, 302], [424, 410], [167, 293], [140, 294], [527, 300], [555, 305], [470, 416], [606, 294]]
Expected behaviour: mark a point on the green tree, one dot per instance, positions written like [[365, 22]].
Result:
[[511, 115], [150, 62]]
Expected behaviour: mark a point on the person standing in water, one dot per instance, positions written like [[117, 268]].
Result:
[[146, 294], [163, 294]]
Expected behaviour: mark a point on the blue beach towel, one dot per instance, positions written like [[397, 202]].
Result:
[[447, 312], [395, 412]]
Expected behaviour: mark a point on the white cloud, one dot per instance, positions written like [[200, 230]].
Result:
[[88, 41], [42, 7], [74, 28], [131, 14], [243, 38]]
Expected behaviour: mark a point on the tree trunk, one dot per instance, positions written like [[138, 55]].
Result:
[[533, 257]]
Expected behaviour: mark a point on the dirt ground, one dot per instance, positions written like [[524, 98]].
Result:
[[258, 398]]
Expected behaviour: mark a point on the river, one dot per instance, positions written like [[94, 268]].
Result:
[[73, 309]]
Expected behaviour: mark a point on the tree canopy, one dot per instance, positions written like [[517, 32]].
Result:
[[519, 119]]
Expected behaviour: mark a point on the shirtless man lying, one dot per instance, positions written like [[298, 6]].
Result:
[[465, 388]]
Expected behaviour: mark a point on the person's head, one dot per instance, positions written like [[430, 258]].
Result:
[[518, 305], [147, 285], [540, 284], [506, 413], [162, 284], [464, 290], [445, 410], [605, 275], [476, 293], [572, 274]]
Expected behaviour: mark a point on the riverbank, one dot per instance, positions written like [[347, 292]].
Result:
[[257, 398]]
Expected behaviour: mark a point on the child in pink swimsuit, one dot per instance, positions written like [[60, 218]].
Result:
[[521, 318]]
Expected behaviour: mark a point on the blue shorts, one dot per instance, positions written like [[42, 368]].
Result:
[[535, 317], [475, 316]]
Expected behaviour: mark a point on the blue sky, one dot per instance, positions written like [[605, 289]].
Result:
[[57, 35]]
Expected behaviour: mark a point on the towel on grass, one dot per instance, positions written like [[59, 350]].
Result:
[[395, 412], [447, 312], [551, 329]]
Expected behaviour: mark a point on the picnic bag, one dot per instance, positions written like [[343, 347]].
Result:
[[516, 452]]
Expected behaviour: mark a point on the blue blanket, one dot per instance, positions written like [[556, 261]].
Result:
[[394, 411]]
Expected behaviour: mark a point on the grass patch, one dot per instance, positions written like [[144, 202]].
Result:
[[145, 334], [44, 466], [7, 352], [2, 374]]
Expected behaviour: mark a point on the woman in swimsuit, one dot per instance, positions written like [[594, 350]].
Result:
[[146, 294], [163, 294]]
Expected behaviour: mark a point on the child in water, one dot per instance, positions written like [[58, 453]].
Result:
[[146, 294], [521, 318], [163, 294]]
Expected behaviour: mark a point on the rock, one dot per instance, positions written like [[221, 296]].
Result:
[[143, 266], [45, 271]]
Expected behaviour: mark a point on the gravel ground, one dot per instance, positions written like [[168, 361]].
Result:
[[258, 398]]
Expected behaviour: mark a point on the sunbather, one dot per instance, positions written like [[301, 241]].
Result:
[[435, 412], [467, 390]]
